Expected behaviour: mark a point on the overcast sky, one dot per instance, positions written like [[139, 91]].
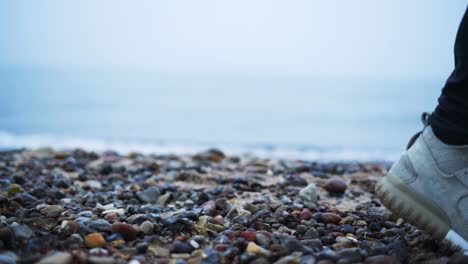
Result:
[[359, 38]]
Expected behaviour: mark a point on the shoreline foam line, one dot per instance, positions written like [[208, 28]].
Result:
[[36, 141]]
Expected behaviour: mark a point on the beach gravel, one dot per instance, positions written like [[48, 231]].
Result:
[[79, 206]]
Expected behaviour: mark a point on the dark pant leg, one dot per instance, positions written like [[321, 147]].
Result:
[[450, 119]]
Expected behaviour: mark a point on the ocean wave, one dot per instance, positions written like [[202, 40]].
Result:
[[37, 141]]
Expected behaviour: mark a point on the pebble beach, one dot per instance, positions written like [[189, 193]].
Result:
[[81, 206]]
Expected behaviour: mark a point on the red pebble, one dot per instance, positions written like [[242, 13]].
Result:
[[248, 235], [220, 247], [306, 214]]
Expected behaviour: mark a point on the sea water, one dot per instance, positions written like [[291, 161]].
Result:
[[329, 118]]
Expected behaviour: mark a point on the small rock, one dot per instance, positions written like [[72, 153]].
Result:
[[346, 229], [76, 239], [194, 244], [293, 258], [14, 189], [257, 250], [214, 155], [119, 211], [309, 193], [350, 255], [69, 227], [101, 260], [111, 217], [94, 184], [94, 240], [147, 227], [8, 258], [181, 248], [57, 258], [159, 251], [99, 225], [149, 195], [142, 247], [126, 230], [262, 240], [335, 185], [331, 218], [214, 227], [176, 224], [22, 231], [117, 243], [6, 235], [52, 210], [305, 214], [212, 257], [162, 200], [383, 259]]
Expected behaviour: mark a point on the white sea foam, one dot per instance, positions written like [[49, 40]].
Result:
[[36, 141]]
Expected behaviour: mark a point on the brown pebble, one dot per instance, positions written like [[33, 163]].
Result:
[[331, 218], [126, 230], [335, 185]]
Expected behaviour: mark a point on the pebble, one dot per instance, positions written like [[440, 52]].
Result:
[[305, 214], [335, 185], [327, 218], [94, 240], [350, 255], [291, 259], [382, 259], [57, 258], [254, 249], [147, 227], [52, 210], [142, 247], [76, 239], [94, 184], [22, 231], [69, 227], [7, 258], [6, 235], [309, 193], [159, 251], [181, 248], [119, 211], [127, 231], [101, 260], [149, 195]]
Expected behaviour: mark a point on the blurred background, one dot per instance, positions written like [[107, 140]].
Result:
[[333, 80]]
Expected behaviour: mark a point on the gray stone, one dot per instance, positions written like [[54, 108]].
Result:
[[8, 258], [57, 258], [149, 195], [22, 231], [309, 193]]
